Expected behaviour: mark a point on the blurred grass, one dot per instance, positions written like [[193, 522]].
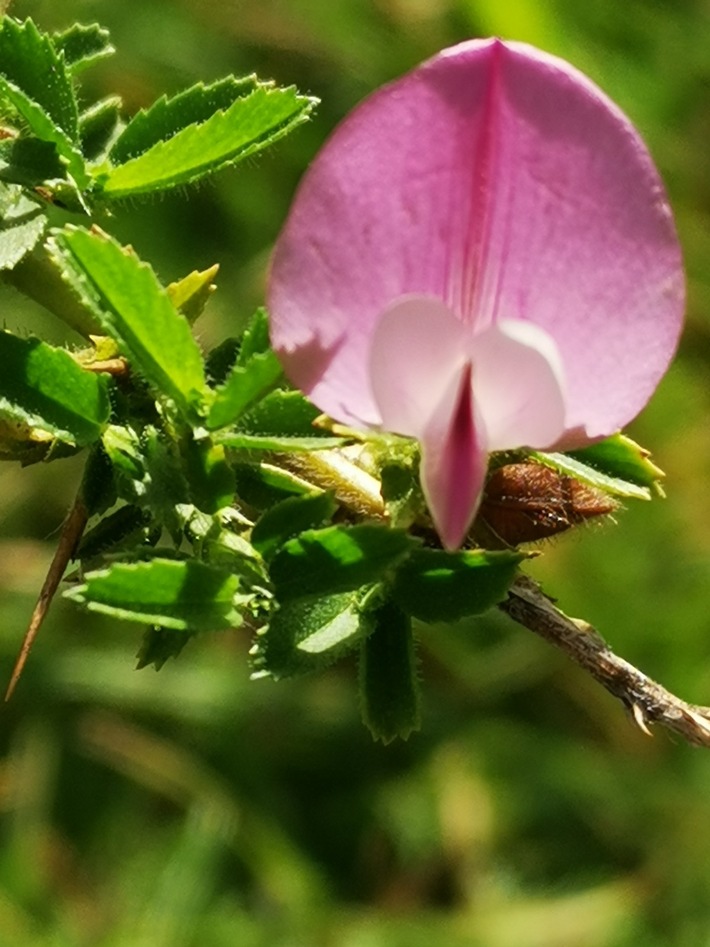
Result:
[[194, 807]]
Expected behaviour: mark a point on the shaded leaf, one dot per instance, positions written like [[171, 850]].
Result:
[[337, 559], [158, 646], [389, 686], [83, 45], [132, 307], [303, 636], [434, 585], [290, 517], [44, 387], [29, 161], [281, 421], [247, 126], [169, 593], [97, 126], [245, 385]]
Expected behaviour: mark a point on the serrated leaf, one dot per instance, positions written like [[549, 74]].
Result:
[[245, 386], [389, 686], [621, 458], [45, 388], [22, 223], [290, 517], [29, 161], [158, 646], [434, 585], [282, 421], [110, 532], [132, 307], [571, 467], [255, 338], [249, 125], [337, 559], [190, 294], [303, 636], [210, 478], [168, 116], [180, 595], [83, 45], [36, 82], [98, 125]]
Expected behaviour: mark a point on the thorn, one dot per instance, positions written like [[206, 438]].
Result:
[[72, 530], [640, 719]]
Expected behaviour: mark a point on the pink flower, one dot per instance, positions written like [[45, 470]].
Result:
[[481, 257]]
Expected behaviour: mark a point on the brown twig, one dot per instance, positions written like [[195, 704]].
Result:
[[72, 530], [647, 701]]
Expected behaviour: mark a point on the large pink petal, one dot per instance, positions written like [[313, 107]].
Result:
[[501, 181]]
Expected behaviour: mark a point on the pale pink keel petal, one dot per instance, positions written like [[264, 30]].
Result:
[[519, 385], [419, 349], [454, 461]]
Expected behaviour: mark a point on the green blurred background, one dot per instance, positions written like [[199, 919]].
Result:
[[193, 807]]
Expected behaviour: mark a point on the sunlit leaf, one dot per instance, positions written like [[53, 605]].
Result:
[[249, 125], [180, 595], [44, 388], [131, 306]]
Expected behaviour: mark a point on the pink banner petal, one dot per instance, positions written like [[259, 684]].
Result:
[[501, 181]]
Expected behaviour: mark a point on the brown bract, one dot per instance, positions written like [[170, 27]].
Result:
[[526, 502]]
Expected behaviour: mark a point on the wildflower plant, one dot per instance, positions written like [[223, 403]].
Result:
[[478, 285]]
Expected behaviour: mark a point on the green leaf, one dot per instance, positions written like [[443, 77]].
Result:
[[245, 386], [303, 636], [45, 388], [282, 421], [168, 116], [190, 294], [97, 126], [621, 458], [35, 80], [571, 467], [336, 559], [181, 595], [22, 223], [29, 161], [132, 307], [389, 686], [288, 518], [158, 646], [210, 477], [249, 125], [434, 585], [255, 338], [126, 523], [82, 46]]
